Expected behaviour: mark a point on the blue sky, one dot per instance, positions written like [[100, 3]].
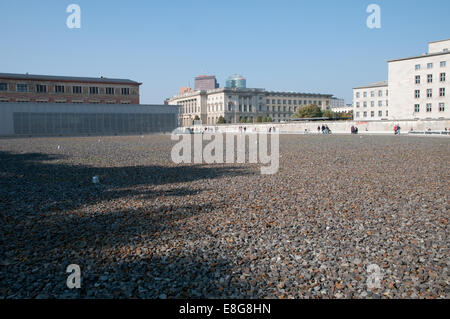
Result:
[[321, 46]]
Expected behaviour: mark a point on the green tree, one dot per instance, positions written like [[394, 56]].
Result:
[[259, 119], [250, 119], [242, 120], [221, 120], [309, 111], [196, 118], [328, 113]]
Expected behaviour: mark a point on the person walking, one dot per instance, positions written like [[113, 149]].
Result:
[[318, 129], [352, 129], [395, 130], [398, 129]]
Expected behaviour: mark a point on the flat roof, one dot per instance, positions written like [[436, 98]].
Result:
[[373, 85], [420, 56], [274, 93], [55, 78], [439, 41]]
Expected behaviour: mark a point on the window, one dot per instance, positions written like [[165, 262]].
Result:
[[417, 66], [284, 101], [429, 92], [357, 104], [357, 114], [76, 89], [443, 64], [3, 87], [372, 114], [278, 101], [387, 113], [387, 92], [22, 87], [365, 104], [365, 114], [372, 94], [442, 77], [41, 88], [429, 107], [295, 102], [417, 94], [110, 91], [387, 102], [429, 65], [93, 90], [430, 78], [358, 95], [273, 101], [442, 92], [59, 89], [417, 108], [380, 93], [365, 94], [441, 107], [417, 79], [380, 103], [380, 113], [372, 103]]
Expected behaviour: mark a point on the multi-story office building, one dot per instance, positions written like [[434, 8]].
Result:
[[237, 105], [282, 105], [64, 89], [206, 82], [371, 102], [419, 85], [418, 88]]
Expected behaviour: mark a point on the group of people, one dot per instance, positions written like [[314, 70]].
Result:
[[325, 129], [354, 130], [397, 129]]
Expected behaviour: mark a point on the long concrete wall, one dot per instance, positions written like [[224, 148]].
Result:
[[48, 119], [344, 127]]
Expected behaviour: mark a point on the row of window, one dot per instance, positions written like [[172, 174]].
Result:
[[429, 107], [372, 114], [443, 64], [76, 89], [372, 103], [429, 93], [294, 102], [430, 78], [372, 94]]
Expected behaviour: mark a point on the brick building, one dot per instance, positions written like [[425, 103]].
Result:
[[64, 89]]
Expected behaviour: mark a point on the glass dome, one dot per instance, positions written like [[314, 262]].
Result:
[[236, 81]]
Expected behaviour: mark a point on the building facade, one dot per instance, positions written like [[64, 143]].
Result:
[[419, 85], [51, 119], [61, 89], [371, 102], [417, 89], [206, 82], [243, 105]]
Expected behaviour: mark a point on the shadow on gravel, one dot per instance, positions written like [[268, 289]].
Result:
[[40, 236], [38, 183]]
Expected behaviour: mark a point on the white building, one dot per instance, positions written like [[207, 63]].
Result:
[[237, 105], [419, 85], [371, 102], [417, 88]]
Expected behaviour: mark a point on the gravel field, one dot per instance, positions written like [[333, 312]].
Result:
[[153, 229]]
